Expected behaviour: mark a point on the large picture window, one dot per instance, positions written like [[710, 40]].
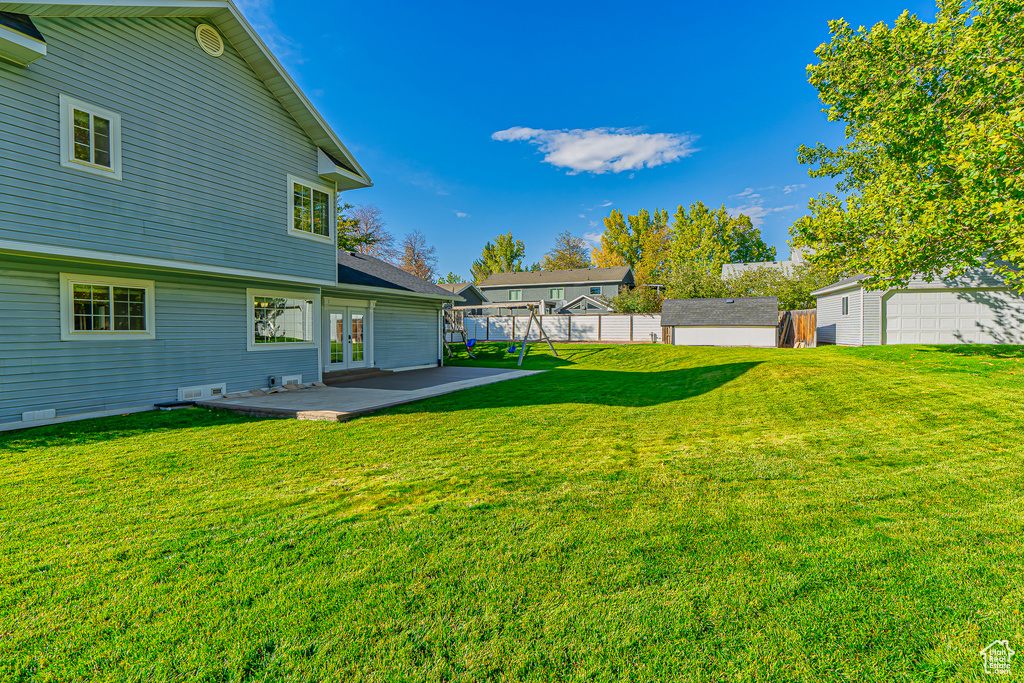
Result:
[[100, 307], [282, 320], [90, 138], [311, 209]]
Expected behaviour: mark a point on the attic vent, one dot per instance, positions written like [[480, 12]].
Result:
[[209, 40], [730, 301]]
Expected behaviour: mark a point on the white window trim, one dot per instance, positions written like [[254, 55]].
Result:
[[67, 308], [250, 339], [332, 208], [67, 135], [515, 290], [844, 306], [557, 289]]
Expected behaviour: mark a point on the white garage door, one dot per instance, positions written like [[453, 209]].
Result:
[[953, 316]]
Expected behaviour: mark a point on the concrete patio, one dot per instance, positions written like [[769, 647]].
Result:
[[339, 403]]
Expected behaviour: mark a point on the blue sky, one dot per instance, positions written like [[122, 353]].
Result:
[[478, 118]]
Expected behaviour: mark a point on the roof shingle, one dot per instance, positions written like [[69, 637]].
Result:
[[732, 312], [360, 269]]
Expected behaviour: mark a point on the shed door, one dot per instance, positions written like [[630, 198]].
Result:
[[953, 316]]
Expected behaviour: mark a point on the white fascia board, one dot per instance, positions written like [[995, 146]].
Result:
[[343, 178], [832, 289], [104, 258], [18, 48]]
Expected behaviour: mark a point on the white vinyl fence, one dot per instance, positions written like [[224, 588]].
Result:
[[636, 329]]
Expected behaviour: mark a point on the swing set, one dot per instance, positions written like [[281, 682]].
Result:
[[455, 324]]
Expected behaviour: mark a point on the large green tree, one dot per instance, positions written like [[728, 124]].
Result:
[[504, 255], [932, 174], [569, 252], [705, 238]]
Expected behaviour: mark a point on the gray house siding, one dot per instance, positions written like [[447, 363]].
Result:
[[833, 326], [202, 327], [207, 149], [405, 333], [538, 292]]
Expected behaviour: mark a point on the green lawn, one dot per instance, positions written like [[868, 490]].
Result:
[[640, 513]]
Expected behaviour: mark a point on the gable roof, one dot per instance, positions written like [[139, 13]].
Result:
[[732, 312], [366, 271], [603, 304], [336, 162], [460, 287], [840, 285], [574, 276]]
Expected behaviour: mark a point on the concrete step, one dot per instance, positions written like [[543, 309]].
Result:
[[342, 376]]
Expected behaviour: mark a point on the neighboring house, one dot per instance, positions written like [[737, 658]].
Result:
[[585, 304], [468, 291], [734, 269], [975, 308], [743, 321], [167, 219], [559, 288]]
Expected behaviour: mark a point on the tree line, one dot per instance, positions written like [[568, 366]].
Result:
[[362, 229]]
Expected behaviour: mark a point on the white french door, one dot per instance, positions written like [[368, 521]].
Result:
[[348, 335]]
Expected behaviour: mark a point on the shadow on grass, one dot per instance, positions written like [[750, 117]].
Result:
[[111, 428], [984, 350], [612, 388]]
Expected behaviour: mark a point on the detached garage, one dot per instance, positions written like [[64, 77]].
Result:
[[975, 308], [743, 321]]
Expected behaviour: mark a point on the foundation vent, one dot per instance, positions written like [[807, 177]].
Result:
[[199, 393]]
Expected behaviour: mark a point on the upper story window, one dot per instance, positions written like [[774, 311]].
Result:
[[90, 138], [311, 209], [595, 290], [846, 305], [106, 307], [515, 295], [557, 293]]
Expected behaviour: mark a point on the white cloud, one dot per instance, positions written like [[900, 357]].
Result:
[[607, 202], [593, 237], [583, 215], [603, 150], [459, 214], [757, 211], [593, 224], [793, 188], [258, 13]]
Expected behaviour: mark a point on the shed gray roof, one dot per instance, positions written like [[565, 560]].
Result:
[[733, 312], [367, 271], [557, 277]]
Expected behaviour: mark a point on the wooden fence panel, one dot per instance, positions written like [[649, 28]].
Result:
[[798, 328]]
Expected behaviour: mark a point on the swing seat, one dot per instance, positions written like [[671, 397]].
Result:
[[511, 349], [470, 343]]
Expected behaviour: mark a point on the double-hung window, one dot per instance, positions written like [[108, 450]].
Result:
[[282, 320], [846, 305], [90, 138], [93, 307], [310, 209], [557, 293], [515, 295]]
